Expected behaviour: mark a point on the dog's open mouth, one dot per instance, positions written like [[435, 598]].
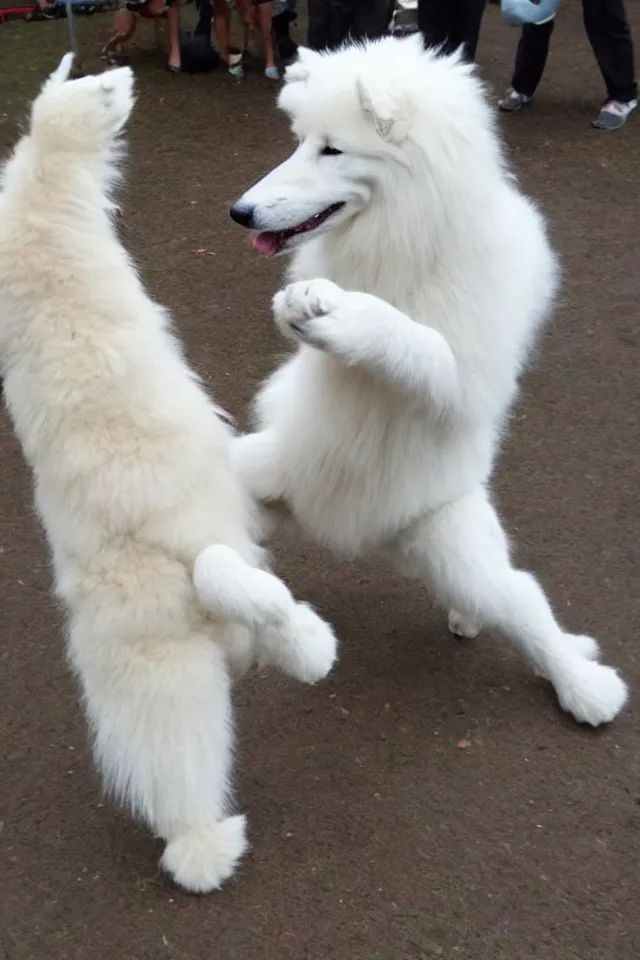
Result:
[[270, 242]]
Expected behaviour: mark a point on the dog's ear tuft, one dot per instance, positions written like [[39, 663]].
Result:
[[308, 56], [62, 71], [389, 112], [301, 68]]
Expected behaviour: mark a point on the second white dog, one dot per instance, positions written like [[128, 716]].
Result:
[[422, 276], [133, 482]]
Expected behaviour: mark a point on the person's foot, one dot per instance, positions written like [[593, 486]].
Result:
[[235, 67], [513, 101], [272, 73], [613, 114]]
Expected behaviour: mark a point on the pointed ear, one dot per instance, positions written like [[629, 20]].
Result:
[[62, 71], [308, 56], [390, 112]]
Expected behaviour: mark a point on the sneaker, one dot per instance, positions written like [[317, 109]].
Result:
[[272, 73], [236, 69], [513, 101], [614, 114]]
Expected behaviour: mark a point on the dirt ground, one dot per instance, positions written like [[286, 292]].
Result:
[[375, 837]]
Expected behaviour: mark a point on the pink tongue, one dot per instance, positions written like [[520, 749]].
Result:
[[265, 243]]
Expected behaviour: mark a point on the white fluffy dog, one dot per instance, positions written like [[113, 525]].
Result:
[[133, 481], [421, 276]]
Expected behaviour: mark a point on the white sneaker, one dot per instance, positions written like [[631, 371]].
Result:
[[236, 69], [513, 101], [614, 114]]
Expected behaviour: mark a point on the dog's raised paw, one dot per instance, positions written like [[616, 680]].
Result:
[[312, 649], [229, 587], [295, 307], [200, 861]]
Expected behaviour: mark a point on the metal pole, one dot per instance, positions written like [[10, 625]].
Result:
[[72, 36]]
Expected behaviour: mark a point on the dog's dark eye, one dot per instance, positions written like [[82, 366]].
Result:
[[330, 152]]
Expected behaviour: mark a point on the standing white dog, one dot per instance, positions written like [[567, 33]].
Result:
[[380, 434], [133, 481]]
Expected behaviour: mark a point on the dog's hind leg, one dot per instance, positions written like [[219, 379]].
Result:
[[462, 551], [160, 710], [288, 634]]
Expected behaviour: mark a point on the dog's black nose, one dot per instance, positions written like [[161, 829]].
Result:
[[242, 213]]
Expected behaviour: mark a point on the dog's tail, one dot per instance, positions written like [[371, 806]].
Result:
[[288, 634]]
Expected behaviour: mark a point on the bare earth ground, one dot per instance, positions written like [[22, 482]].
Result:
[[375, 836]]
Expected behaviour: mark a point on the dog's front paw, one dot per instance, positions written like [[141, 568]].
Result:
[[304, 311]]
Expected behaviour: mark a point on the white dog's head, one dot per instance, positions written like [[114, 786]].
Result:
[[85, 115], [363, 116], [75, 125]]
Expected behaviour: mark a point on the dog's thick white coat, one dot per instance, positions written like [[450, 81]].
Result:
[[133, 484], [415, 306]]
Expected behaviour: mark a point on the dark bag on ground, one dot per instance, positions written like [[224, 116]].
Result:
[[197, 53]]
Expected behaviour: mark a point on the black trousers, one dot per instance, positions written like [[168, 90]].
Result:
[[451, 23], [608, 31], [331, 22]]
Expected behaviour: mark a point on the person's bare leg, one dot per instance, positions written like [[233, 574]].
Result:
[[124, 25], [222, 31], [264, 13], [247, 12], [173, 34], [222, 28]]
